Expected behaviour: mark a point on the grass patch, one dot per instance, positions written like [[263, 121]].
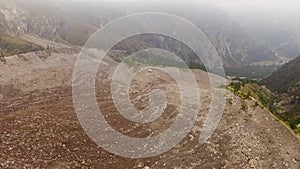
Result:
[[10, 46]]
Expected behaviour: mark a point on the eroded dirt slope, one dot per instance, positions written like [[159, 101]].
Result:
[[39, 127]]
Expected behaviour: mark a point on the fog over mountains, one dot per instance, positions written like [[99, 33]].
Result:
[[273, 23], [242, 35]]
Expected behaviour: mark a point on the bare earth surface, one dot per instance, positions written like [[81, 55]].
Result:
[[40, 129]]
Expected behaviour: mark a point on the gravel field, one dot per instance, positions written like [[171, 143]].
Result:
[[40, 129]]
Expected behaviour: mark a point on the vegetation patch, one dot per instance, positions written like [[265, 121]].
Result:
[[251, 71], [249, 89], [11, 46]]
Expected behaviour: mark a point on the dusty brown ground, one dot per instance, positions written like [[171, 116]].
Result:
[[39, 127]]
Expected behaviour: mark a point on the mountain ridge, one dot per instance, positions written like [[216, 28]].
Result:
[[73, 23]]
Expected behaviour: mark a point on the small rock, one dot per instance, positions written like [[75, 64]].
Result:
[[252, 163], [140, 165], [295, 161]]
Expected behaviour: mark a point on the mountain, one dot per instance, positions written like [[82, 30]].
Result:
[[45, 20], [9, 43], [250, 46], [286, 79], [285, 82], [73, 22], [276, 28]]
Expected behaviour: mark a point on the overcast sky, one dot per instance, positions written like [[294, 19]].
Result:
[[282, 5], [278, 4]]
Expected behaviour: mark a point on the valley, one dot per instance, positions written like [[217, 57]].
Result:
[[73, 23]]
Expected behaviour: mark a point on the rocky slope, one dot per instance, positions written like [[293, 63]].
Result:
[[39, 127]]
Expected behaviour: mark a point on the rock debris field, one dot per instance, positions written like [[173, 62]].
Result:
[[40, 129]]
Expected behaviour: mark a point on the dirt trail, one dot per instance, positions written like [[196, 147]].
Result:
[[39, 127]]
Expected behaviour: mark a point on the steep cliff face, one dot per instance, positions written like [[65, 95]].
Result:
[[12, 26], [277, 28], [45, 20], [235, 45]]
